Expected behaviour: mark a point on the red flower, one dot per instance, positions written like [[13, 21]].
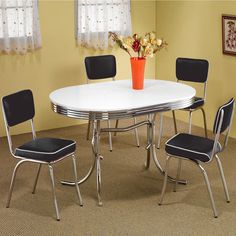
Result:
[[136, 45]]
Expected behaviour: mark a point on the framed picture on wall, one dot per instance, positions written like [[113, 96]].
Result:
[[229, 34]]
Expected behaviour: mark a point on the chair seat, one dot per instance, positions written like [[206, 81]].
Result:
[[46, 149], [197, 103], [191, 147]]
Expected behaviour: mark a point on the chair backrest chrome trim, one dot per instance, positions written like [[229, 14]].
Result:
[[228, 109], [223, 122]]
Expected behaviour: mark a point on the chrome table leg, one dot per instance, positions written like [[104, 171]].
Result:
[[116, 126], [148, 148], [165, 180], [97, 156], [96, 162], [72, 183], [109, 135], [99, 180], [136, 133], [160, 131], [85, 178], [88, 129]]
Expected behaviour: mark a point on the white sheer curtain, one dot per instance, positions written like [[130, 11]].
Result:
[[95, 18], [19, 26]]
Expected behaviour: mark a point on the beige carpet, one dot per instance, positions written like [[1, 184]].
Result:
[[130, 194]]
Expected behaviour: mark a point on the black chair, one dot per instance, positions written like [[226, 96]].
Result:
[[18, 108], [103, 67], [190, 70], [200, 150]]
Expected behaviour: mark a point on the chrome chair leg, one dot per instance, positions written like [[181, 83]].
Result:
[[223, 178], [178, 174], [160, 131], [116, 126], [13, 182], [174, 119], [209, 190], [36, 179], [109, 135], [204, 119], [53, 191], [136, 133], [190, 122], [76, 181], [165, 180], [99, 180]]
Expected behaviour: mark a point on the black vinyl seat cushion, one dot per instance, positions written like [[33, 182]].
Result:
[[46, 149], [191, 147], [197, 103]]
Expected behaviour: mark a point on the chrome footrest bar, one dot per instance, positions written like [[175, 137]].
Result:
[[125, 129]]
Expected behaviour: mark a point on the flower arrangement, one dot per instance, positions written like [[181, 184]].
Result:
[[145, 46]]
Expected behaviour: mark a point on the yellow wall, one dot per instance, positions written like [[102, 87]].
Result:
[[60, 62], [193, 29]]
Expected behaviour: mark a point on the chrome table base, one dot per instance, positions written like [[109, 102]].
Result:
[[151, 151], [151, 148]]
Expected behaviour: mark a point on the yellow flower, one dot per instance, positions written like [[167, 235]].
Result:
[[153, 41], [148, 51], [152, 36], [144, 42], [128, 41], [145, 46], [159, 42]]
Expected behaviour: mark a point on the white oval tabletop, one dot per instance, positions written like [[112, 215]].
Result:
[[118, 98]]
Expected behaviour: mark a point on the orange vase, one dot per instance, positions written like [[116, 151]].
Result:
[[137, 67]]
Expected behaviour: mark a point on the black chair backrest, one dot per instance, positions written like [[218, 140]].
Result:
[[18, 107], [100, 67], [228, 112], [193, 70]]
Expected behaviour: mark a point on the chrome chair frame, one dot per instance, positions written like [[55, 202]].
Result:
[[198, 163], [50, 167], [109, 123], [190, 115]]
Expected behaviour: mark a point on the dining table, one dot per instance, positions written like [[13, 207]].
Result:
[[113, 100]]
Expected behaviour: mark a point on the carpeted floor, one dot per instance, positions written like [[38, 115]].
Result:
[[130, 194]]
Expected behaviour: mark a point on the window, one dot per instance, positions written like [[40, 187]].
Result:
[[19, 26], [95, 18]]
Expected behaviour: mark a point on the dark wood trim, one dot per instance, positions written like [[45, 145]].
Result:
[[226, 17]]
